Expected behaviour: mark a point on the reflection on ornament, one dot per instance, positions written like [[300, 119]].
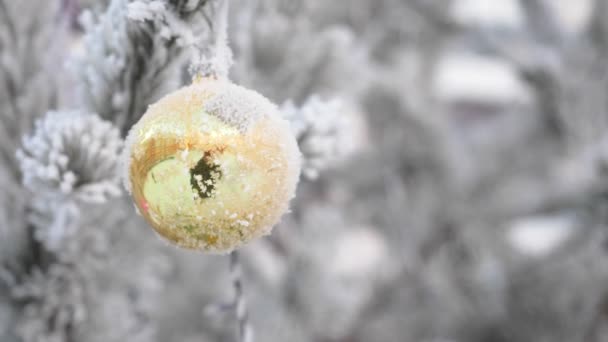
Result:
[[212, 166]]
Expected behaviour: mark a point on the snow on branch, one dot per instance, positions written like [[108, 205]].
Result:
[[71, 154], [324, 131], [26, 90], [134, 54], [70, 158], [31, 42]]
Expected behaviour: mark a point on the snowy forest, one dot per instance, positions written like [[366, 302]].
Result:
[[451, 163]]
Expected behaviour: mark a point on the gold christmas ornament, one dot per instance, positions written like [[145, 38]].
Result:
[[211, 166]]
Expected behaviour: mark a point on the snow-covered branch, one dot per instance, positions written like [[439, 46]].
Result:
[[134, 53]]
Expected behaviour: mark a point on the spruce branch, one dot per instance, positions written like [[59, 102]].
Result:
[[31, 48], [135, 54]]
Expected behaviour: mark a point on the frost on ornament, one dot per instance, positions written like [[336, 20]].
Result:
[[211, 166]]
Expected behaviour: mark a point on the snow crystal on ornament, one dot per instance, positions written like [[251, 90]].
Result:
[[238, 106]]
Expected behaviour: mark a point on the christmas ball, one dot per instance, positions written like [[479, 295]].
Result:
[[211, 166]]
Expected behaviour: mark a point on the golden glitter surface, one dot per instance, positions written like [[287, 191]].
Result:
[[212, 166]]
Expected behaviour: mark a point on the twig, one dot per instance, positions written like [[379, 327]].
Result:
[[215, 57], [240, 303]]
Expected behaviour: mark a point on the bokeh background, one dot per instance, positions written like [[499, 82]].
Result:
[[454, 185]]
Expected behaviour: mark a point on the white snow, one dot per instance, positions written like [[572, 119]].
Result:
[[467, 76], [537, 236]]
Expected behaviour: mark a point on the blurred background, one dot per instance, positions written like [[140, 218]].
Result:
[[454, 185]]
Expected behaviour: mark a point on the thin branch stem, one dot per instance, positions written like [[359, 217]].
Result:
[[215, 58], [240, 303]]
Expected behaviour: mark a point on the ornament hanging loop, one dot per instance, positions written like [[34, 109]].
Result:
[[213, 58]]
